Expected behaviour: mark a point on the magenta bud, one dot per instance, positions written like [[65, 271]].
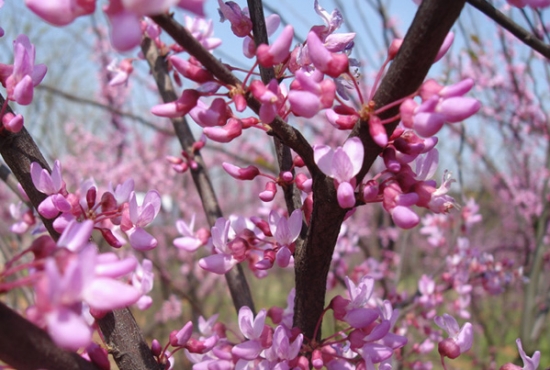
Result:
[[303, 182], [394, 48], [156, 348], [287, 176], [262, 225], [248, 173], [269, 193], [449, 348], [298, 162]]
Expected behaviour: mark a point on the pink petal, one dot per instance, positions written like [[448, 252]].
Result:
[[304, 103], [346, 195], [404, 217], [247, 350], [107, 294], [458, 109], [218, 263], [23, 92], [141, 239], [187, 243], [428, 124], [68, 329], [76, 235]]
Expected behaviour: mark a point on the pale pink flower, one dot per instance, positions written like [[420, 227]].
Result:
[[20, 78], [138, 217], [460, 339], [342, 164]]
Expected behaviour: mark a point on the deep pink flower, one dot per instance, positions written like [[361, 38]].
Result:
[[180, 107], [327, 62], [241, 25], [270, 55]]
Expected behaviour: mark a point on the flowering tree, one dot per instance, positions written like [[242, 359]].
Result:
[[313, 199]]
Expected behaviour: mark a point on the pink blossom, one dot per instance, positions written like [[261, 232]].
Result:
[[248, 173], [270, 55], [61, 12], [60, 292], [189, 241], [460, 339], [342, 165], [20, 78], [202, 30], [180, 107], [122, 71], [310, 93], [223, 260], [252, 328], [241, 25], [51, 185], [531, 3], [327, 62], [137, 217]]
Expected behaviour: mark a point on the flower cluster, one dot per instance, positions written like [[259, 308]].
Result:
[[367, 337], [261, 243], [73, 284], [116, 210]]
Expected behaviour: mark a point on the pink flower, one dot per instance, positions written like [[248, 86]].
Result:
[[20, 78], [180, 107], [460, 339], [223, 260], [60, 292], [310, 93], [270, 55], [327, 62], [122, 71], [342, 165], [252, 328], [241, 25], [61, 12], [189, 241], [202, 30], [440, 105], [138, 217], [51, 185], [531, 3]]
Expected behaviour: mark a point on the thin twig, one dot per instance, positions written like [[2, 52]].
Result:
[[236, 281], [515, 29]]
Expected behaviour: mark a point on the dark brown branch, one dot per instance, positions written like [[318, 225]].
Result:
[[23, 345], [515, 29], [240, 291], [284, 157], [19, 151]]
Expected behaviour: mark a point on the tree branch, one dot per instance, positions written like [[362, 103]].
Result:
[[240, 291], [515, 29]]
